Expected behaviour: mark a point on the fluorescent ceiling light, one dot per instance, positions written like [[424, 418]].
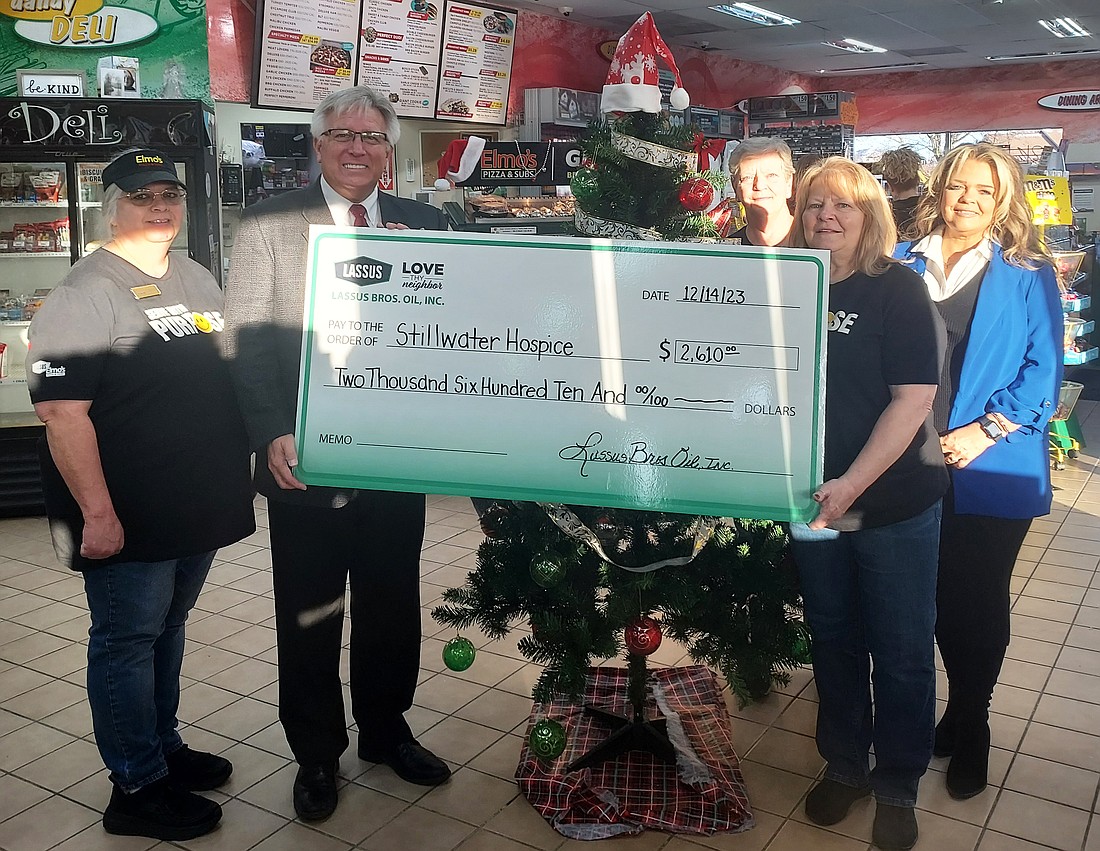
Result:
[[1065, 28], [1054, 54], [896, 67], [854, 46], [756, 15]]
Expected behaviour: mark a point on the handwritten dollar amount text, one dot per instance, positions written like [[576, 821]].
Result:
[[691, 351]]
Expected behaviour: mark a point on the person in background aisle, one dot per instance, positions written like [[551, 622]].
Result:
[[800, 168], [989, 274], [320, 536], [761, 172], [146, 476], [901, 171], [867, 562]]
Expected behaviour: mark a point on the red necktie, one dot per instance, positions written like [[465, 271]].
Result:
[[359, 216]]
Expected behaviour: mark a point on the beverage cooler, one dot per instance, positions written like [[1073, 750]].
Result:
[[52, 155]]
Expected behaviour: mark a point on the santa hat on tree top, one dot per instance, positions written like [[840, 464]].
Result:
[[459, 161], [632, 79]]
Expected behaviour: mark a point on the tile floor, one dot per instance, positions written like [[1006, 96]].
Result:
[[1046, 728]]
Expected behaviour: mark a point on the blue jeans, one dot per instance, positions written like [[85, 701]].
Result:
[[135, 652], [870, 601]]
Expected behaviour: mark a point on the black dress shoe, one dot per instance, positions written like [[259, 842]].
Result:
[[196, 771], [412, 762], [315, 791]]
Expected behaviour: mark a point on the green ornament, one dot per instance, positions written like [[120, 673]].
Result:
[[801, 649], [459, 653], [547, 570], [585, 184], [547, 739]]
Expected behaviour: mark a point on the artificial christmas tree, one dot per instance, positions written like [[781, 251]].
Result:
[[593, 581]]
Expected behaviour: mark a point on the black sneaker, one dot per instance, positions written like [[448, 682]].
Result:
[[195, 771], [160, 811], [829, 801]]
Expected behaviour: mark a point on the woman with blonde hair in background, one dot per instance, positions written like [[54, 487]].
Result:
[[867, 562], [990, 277]]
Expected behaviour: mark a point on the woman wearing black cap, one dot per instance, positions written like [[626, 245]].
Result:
[[147, 474]]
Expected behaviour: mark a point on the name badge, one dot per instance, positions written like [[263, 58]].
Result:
[[146, 291]]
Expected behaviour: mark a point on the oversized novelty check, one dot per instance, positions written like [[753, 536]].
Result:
[[683, 377]]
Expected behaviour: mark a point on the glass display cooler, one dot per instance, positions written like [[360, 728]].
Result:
[[52, 155]]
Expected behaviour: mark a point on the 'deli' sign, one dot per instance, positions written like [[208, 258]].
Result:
[[167, 40]]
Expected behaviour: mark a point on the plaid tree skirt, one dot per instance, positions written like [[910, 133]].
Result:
[[703, 793]]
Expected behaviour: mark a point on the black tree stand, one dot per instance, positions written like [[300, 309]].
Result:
[[634, 733]]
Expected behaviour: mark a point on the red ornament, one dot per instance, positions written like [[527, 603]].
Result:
[[696, 194], [493, 520], [723, 217], [643, 636]]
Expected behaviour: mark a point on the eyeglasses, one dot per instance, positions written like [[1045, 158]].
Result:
[[144, 198], [367, 137]]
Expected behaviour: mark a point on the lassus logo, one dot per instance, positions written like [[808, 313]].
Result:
[[364, 271]]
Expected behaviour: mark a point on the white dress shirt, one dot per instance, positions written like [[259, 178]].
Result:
[[340, 207], [941, 285]]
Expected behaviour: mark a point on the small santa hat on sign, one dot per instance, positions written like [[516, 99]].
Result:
[[459, 161], [632, 79]]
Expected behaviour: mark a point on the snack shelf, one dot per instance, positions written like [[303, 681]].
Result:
[[1085, 328], [25, 205], [7, 254], [1076, 358], [1080, 302]]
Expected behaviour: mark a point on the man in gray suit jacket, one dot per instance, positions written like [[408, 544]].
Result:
[[320, 536]]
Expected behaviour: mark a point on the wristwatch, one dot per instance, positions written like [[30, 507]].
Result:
[[991, 427]]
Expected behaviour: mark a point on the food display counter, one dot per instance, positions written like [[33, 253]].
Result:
[[543, 214], [522, 168]]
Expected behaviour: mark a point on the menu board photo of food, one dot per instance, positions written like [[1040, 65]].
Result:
[[478, 41], [431, 58], [399, 53], [304, 51]]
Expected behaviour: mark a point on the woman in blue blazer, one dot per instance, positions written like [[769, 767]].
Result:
[[989, 274]]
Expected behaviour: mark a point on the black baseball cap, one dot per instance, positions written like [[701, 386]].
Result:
[[137, 169]]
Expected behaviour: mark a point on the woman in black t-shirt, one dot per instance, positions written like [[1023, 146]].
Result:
[[146, 476], [867, 562]]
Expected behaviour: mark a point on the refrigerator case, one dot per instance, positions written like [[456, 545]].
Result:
[[52, 153]]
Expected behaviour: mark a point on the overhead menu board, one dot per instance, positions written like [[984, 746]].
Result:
[[477, 63], [432, 61], [399, 53], [305, 51]]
